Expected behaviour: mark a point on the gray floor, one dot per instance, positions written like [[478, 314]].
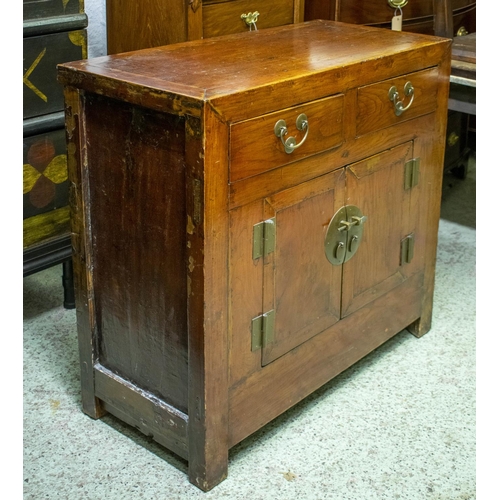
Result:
[[400, 424]]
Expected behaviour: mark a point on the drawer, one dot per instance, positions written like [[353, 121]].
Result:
[[45, 173], [41, 55], [255, 147], [36, 9], [224, 18], [376, 111]]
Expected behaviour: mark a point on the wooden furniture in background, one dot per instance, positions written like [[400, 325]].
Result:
[[462, 105], [418, 15], [53, 32], [246, 228], [446, 18], [133, 25]]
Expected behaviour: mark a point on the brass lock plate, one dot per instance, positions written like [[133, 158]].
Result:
[[344, 234]]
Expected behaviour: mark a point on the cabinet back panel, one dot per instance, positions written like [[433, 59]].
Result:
[[137, 221]]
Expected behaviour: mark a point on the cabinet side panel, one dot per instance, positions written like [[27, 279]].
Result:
[[137, 213]]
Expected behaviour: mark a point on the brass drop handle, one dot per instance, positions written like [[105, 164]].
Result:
[[281, 130], [339, 253], [251, 19], [399, 107], [353, 243]]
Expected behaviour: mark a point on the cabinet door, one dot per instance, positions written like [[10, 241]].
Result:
[[377, 186], [301, 288]]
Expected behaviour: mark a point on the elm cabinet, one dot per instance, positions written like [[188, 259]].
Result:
[[247, 228], [133, 25], [418, 15]]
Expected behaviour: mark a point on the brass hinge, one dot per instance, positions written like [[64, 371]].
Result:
[[264, 238], [412, 170], [262, 330], [407, 248]]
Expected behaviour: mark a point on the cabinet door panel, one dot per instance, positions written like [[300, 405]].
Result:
[[300, 285], [376, 186]]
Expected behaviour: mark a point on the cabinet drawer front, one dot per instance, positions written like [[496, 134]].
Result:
[[45, 173], [255, 148], [376, 111], [36, 9], [225, 18], [41, 54]]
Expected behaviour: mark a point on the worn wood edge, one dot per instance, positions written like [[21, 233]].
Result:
[[434, 189], [152, 416], [207, 235], [81, 244], [147, 93], [312, 364]]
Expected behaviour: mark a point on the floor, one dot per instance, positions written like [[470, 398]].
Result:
[[400, 424]]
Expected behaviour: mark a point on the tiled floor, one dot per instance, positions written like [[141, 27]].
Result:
[[400, 424]]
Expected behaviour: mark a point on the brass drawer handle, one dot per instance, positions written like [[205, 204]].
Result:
[[399, 107], [280, 129], [251, 19]]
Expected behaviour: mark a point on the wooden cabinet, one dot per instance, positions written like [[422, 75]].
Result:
[[135, 25], [53, 32], [418, 15], [245, 232]]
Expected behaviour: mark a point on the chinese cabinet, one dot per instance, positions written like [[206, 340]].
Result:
[[245, 229]]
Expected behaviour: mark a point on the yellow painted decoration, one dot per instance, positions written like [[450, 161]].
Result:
[[65, 3], [78, 38], [57, 170], [44, 226], [30, 176], [30, 70]]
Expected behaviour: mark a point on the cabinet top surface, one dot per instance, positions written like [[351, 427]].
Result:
[[215, 67]]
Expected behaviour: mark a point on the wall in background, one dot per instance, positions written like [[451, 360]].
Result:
[[96, 31]]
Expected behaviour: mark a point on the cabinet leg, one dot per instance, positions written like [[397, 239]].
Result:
[[68, 285], [421, 326], [209, 471], [90, 404]]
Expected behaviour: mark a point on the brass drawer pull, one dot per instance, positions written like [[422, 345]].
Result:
[[280, 129], [408, 90], [251, 19]]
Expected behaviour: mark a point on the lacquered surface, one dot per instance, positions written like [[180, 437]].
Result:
[[161, 130], [252, 59]]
